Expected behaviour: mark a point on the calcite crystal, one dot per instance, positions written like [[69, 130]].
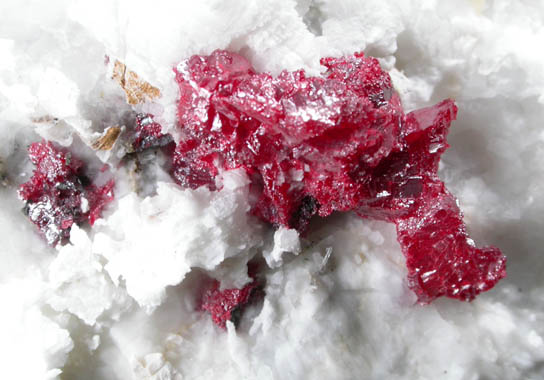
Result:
[[59, 194], [337, 142]]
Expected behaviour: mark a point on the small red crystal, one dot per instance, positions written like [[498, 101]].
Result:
[[338, 142], [148, 134], [58, 194], [222, 304]]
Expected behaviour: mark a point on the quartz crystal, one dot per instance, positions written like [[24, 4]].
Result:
[[337, 142]]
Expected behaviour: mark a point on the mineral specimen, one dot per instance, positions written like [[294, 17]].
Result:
[[59, 194], [338, 142], [225, 305], [136, 89], [108, 138], [148, 134]]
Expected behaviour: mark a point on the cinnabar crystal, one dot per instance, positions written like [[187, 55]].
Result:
[[148, 134], [338, 142], [223, 304], [59, 194]]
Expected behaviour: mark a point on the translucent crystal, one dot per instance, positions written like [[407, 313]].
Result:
[[337, 142], [59, 194]]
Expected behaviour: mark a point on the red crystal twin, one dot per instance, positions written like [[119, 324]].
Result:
[[59, 194], [338, 142]]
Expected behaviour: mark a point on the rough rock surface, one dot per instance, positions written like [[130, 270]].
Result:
[[341, 306]]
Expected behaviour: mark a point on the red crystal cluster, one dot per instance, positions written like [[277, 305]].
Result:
[[337, 142], [148, 134], [59, 194], [223, 305]]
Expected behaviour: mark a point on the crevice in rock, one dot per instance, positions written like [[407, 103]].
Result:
[[312, 17]]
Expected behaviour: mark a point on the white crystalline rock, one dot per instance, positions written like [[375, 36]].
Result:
[[53, 76], [154, 243], [271, 29], [155, 367], [79, 284], [33, 346], [285, 240], [356, 317], [340, 308], [57, 94]]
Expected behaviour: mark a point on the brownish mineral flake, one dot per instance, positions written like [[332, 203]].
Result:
[[136, 89], [108, 139]]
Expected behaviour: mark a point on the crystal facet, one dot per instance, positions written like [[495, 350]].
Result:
[[337, 142], [223, 305], [59, 194], [148, 134]]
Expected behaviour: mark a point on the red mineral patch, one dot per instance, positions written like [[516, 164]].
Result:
[[148, 134], [223, 304], [337, 142], [58, 194]]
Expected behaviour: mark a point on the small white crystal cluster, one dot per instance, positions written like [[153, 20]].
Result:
[[120, 300]]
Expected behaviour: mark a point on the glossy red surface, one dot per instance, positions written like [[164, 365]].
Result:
[[58, 194], [148, 134], [224, 304], [337, 142]]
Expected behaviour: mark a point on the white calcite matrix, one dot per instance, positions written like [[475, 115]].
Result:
[[120, 300]]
